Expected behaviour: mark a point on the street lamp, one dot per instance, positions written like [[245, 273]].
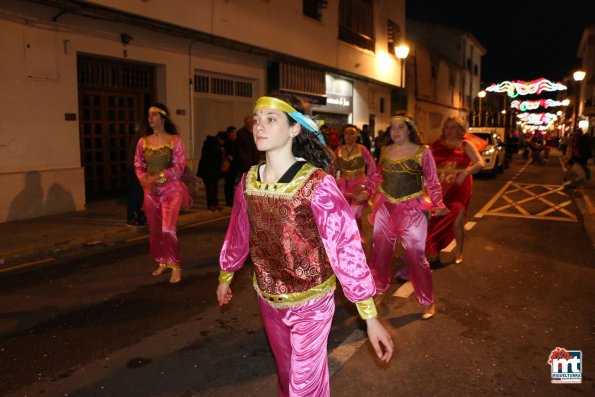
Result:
[[481, 94], [578, 76], [401, 52]]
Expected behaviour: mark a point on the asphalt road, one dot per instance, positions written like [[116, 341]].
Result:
[[100, 325]]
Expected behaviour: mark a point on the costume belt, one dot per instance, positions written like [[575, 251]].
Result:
[[295, 298]]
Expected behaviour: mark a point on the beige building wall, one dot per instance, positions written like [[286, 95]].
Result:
[[40, 165]]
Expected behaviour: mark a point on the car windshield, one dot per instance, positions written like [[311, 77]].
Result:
[[485, 136]]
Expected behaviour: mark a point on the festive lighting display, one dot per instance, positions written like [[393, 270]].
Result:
[[532, 105], [537, 118], [516, 88]]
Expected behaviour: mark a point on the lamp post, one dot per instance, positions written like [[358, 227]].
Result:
[[401, 52], [578, 76], [481, 94]]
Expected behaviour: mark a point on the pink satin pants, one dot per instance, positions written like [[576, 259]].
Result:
[[298, 337], [161, 210], [406, 222]]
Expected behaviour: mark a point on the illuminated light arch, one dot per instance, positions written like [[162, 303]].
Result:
[[516, 88], [532, 105]]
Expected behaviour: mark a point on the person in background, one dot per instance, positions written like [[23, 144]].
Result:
[[457, 159], [354, 165], [583, 151], [536, 144], [210, 168], [365, 136], [291, 218], [230, 149], [247, 153], [564, 145], [406, 189], [159, 163], [134, 208]]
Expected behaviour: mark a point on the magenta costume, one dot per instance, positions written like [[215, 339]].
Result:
[[163, 201], [407, 188], [301, 235], [354, 168]]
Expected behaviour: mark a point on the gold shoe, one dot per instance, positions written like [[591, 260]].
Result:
[[458, 261], [429, 312], [160, 270], [176, 274]]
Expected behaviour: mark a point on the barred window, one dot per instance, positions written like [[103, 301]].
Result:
[[222, 85]]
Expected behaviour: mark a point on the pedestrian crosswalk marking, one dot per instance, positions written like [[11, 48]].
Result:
[[532, 201], [404, 290]]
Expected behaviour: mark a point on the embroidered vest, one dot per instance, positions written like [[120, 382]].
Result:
[[157, 158], [285, 244], [354, 165], [402, 179]]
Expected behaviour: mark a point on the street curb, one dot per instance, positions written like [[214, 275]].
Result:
[[45, 251]]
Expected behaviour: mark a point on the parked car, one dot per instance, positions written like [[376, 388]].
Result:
[[494, 153]]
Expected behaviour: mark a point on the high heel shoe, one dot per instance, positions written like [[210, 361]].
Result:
[[459, 260], [428, 312], [159, 271]]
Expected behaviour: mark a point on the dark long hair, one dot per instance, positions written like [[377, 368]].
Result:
[[306, 144], [413, 131], [168, 126]]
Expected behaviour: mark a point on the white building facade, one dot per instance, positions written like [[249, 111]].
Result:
[[77, 77]]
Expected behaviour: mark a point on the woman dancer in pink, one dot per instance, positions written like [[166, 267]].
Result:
[[159, 163], [301, 235], [407, 188], [355, 164]]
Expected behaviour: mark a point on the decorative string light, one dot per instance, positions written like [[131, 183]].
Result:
[[532, 105], [518, 87]]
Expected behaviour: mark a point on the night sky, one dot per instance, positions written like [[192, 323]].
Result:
[[525, 40]]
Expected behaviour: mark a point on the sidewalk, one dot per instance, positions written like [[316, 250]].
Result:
[[36, 241], [28, 242]]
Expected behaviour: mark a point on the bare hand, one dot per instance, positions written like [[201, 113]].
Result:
[[380, 339], [460, 178], [361, 196], [439, 211], [224, 294]]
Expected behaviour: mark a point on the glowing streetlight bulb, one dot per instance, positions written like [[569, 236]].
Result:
[[481, 94], [579, 75], [402, 51]]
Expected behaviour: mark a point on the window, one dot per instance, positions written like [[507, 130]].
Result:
[[222, 85], [475, 70], [356, 23], [393, 35], [313, 8]]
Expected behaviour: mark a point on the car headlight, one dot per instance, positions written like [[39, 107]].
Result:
[[489, 151]]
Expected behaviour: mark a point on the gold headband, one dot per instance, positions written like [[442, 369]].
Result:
[[157, 110], [350, 128], [403, 118], [267, 102]]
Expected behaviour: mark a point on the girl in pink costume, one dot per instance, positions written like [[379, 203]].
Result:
[[159, 163], [355, 164], [301, 235], [407, 188]]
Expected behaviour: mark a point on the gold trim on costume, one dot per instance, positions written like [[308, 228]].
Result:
[[157, 110], [295, 298], [256, 187], [225, 277], [401, 199], [366, 309]]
